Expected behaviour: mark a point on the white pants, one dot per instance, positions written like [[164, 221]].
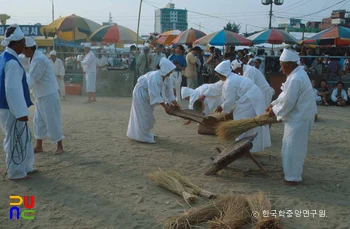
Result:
[[90, 78], [16, 171], [177, 79], [47, 118], [294, 148], [61, 86], [191, 82]]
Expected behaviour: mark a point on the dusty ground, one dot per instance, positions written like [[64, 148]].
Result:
[[101, 180]]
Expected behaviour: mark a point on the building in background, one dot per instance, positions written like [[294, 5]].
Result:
[[338, 17], [170, 18]]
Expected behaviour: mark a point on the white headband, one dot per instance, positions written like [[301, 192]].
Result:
[[16, 36], [236, 64]]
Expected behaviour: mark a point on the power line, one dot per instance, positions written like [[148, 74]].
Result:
[[324, 9], [291, 6]]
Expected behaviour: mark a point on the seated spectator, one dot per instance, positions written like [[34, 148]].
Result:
[[339, 96], [318, 98], [324, 92]]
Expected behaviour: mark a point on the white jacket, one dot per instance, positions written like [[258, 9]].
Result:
[[58, 68], [89, 63], [343, 95], [297, 101], [41, 76]]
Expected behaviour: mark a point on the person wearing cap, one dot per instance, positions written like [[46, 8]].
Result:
[[296, 107], [248, 100], [155, 57], [47, 114], [256, 76], [142, 65], [89, 67], [191, 69], [102, 61], [14, 104], [60, 72], [152, 89]]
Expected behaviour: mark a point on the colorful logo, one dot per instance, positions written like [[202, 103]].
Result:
[[27, 213]]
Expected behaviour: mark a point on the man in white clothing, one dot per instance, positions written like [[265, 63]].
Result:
[[297, 108], [14, 103], [255, 75], [89, 66], [59, 72], [47, 115]]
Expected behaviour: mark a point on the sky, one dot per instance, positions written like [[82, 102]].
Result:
[[208, 15]]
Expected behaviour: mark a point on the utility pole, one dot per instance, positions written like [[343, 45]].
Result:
[[138, 26], [53, 10], [270, 27], [200, 26]]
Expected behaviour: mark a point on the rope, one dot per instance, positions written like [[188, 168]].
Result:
[[18, 150]]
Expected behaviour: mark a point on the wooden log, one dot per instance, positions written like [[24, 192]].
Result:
[[230, 154], [188, 114]]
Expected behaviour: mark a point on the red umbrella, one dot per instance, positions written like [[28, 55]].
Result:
[[188, 37]]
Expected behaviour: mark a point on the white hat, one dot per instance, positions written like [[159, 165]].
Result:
[[30, 42], [236, 64], [166, 66], [185, 92], [289, 56], [53, 53], [17, 35], [224, 68], [87, 45], [251, 54]]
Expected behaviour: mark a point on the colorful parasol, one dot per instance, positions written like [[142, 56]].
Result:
[[337, 35], [71, 28], [188, 37], [224, 37], [115, 34], [273, 36], [167, 37]]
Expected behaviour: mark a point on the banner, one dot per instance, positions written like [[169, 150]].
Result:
[[28, 30]]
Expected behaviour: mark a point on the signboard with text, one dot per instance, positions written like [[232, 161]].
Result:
[[28, 30]]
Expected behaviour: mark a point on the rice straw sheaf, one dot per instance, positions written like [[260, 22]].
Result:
[[233, 129], [258, 204], [190, 187], [162, 179], [234, 214], [199, 215]]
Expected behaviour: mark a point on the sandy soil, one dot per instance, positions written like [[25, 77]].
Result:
[[101, 180]]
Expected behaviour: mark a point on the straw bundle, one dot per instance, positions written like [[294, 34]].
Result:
[[166, 181], [198, 215], [190, 187], [235, 214], [259, 203], [233, 129]]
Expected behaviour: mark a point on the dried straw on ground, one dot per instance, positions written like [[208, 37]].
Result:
[[236, 213], [164, 180], [190, 187], [199, 215], [258, 204], [233, 129]]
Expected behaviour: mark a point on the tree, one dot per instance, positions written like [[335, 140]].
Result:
[[233, 27]]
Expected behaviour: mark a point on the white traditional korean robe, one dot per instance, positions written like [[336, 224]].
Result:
[[60, 73], [259, 80], [47, 114], [210, 102], [297, 108], [17, 109], [89, 66], [249, 102], [150, 91]]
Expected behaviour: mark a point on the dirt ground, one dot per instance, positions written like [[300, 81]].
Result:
[[101, 180]]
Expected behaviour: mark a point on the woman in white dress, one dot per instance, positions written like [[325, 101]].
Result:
[[152, 89]]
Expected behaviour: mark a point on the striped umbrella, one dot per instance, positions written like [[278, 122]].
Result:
[[188, 37], [337, 35], [167, 37], [115, 34], [224, 37], [273, 36], [71, 28]]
